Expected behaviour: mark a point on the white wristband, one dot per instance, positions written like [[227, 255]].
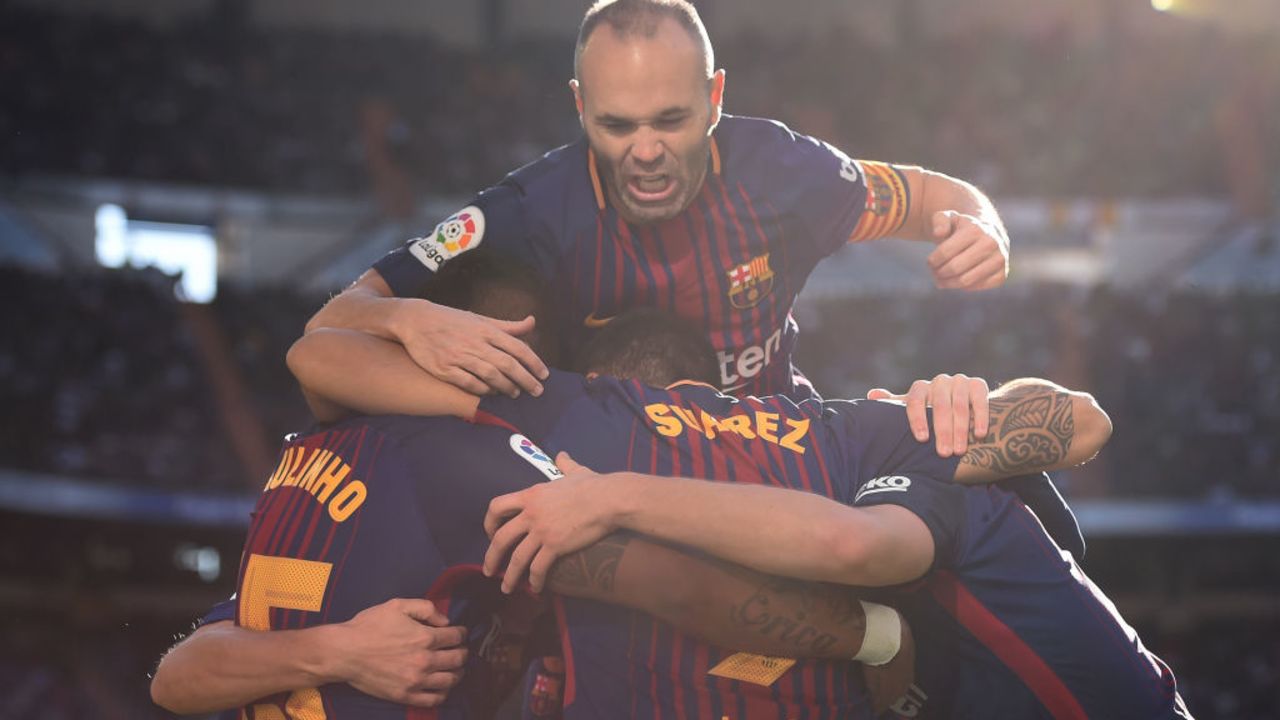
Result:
[[883, 635]]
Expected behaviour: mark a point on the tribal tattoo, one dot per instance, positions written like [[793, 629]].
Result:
[[593, 567], [1031, 427]]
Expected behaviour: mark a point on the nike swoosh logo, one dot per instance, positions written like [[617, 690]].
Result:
[[596, 323]]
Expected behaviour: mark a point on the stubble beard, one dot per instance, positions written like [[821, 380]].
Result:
[[689, 182]]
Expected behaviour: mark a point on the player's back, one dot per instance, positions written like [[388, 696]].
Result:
[[625, 664], [1008, 626], [368, 510]]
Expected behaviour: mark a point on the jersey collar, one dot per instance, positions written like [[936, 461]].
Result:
[[690, 383]]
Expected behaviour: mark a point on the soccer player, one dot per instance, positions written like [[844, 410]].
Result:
[[376, 508], [1008, 625], [625, 664], [667, 202]]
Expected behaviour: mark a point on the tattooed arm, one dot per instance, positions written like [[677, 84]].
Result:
[[725, 604], [1035, 426], [732, 606]]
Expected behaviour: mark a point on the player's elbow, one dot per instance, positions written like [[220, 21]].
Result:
[[885, 545], [855, 556], [166, 692], [1092, 428], [850, 561], [369, 285], [304, 354]]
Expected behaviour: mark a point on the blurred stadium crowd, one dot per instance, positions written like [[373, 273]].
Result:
[[107, 381], [299, 110]]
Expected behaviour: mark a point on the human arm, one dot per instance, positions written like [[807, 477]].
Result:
[[401, 650], [725, 604], [375, 376], [972, 244], [470, 351], [741, 609], [771, 530], [1025, 426], [1035, 426]]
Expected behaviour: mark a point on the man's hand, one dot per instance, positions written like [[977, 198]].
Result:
[[971, 255], [955, 399], [403, 650], [543, 523], [473, 352]]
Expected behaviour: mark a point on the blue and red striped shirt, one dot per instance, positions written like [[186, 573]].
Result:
[[621, 663], [773, 204], [1006, 623], [377, 508]]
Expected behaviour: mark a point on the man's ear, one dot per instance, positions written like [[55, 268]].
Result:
[[577, 99], [717, 97]]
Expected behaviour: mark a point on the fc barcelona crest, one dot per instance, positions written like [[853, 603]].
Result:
[[750, 282], [879, 195]]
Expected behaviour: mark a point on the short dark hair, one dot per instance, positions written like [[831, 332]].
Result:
[[641, 17], [501, 287], [652, 346]]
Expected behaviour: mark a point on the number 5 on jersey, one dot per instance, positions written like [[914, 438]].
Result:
[[290, 584]]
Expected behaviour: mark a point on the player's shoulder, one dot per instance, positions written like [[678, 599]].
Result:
[[413, 432], [553, 167], [888, 416], [769, 158], [555, 194], [739, 130], [747, 144], [878, 436]]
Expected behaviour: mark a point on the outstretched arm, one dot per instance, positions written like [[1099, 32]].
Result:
[[772, 530]]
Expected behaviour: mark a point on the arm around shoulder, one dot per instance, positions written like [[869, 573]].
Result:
[[402, 650], [365, 306], [221, 666], [363, 373]]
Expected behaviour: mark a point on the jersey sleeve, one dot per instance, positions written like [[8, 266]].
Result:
[[833, 197], [1040, 495], [940, 505], [559, 391], [225, 610], [495, 218], [878, 441]]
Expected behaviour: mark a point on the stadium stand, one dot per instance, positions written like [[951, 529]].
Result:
[[107, 349], [1190, 379], [230, 105]]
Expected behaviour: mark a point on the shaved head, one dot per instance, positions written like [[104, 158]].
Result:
[[642, 18]]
